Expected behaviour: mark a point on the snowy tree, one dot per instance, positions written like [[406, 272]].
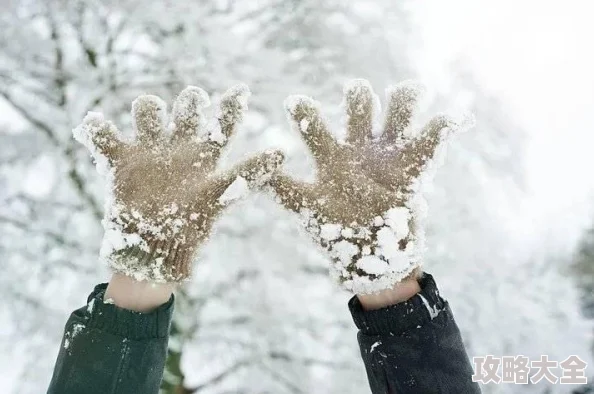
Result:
[[60, 60], [260, 314], [583, 269]]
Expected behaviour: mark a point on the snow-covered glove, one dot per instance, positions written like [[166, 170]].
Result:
[[366, 208], [163, 194]]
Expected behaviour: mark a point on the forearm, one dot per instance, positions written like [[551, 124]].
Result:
[[400, 292], [133, 295], [106, 348], [412, 346]]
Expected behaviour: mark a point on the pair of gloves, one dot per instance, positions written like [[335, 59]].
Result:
[[365, 209]]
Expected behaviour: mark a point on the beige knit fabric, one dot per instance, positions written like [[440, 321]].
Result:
[[164, 194], [365, 208]]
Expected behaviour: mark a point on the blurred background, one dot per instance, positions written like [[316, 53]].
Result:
[[511, 224]]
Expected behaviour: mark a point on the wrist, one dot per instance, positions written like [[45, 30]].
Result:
[[137, 296], [400, 292]]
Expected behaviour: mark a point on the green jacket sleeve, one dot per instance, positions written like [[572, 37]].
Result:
[[110, 350]]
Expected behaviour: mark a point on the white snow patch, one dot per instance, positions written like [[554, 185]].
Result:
[[397, 219], [376, 344], [378, 221], [293, 102], [388, 248], [115, 239], [238, 189], [70, 335], [330, 232], [433, 312], [90, 306], [372, 265], [344, 251], [347, 232], [303, 125], [216, 134]]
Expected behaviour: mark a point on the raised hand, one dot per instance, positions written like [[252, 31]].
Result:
[[365, 208], [163, 192]]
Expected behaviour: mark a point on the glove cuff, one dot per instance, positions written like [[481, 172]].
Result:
[[165, 261]]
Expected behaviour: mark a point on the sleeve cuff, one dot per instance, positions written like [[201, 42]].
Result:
[[401, 317], [125, 323]]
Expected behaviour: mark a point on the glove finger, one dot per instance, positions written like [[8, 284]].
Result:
[[416, 154], [231, 109], [305, 114], [359, 101], [148, 114], [252, 173], [187, 113], [101, 137], [294, 195], [402, 102]]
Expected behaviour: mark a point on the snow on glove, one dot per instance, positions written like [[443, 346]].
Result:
[[163, 194], [366, 208]]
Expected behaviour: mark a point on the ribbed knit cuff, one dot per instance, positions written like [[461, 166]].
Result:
[[125, 323], [401, 317], [165, 262]]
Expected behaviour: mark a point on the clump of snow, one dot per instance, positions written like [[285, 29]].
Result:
[[375, 344], [397, 219], [294, 103], [387, 243], [115, 238], [215, 133], [344, 252], [372, 265], [238, 189], [70, 335], [303, 125], [379, 257], [330, 232], [90, 306], [433, 311], [347, 233]]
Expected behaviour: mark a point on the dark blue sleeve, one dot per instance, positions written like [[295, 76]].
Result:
[[414, 346], [110, 350]]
